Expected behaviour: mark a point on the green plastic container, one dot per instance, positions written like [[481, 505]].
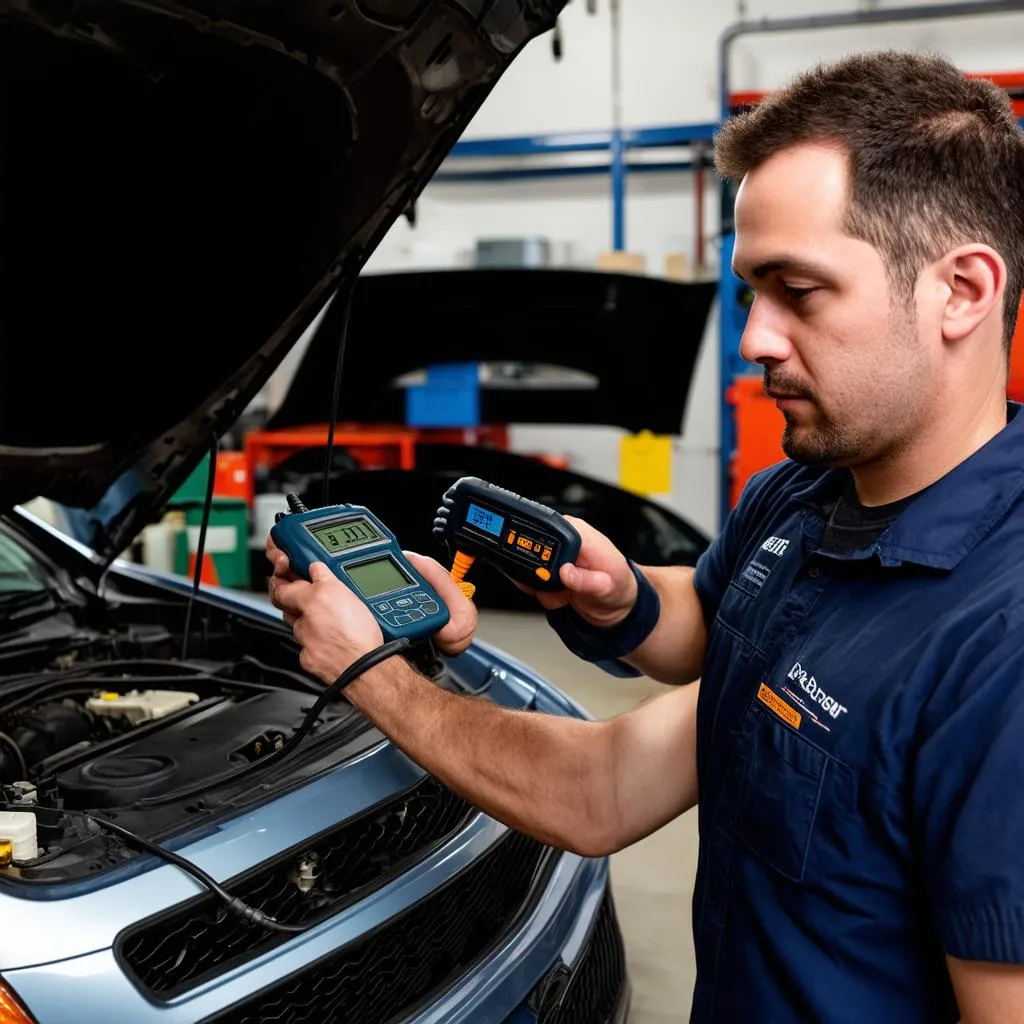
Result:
[[227, 535]]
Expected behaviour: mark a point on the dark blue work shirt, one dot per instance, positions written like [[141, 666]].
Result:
[[860, 747]]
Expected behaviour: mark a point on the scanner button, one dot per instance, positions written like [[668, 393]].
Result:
[[546, 555], [536, 547], [402, 618], [429, 607], [511, 538], [382, 606], [544, 574], [421, 596], [415, 615], [404, 602]]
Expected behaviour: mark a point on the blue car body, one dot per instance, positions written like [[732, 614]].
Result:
[[63, 949]]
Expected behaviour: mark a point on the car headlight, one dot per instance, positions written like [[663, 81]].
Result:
[[11, 1010]]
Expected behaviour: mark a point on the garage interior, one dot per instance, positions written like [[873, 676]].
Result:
[[567, 327]]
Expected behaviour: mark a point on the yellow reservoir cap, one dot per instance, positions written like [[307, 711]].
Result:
[[10, 1009], [107, 695], [6, 852]]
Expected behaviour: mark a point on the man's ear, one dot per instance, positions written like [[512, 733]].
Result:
[[975, 275]]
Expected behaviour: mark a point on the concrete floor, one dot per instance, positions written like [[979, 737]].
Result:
[[652, 880]]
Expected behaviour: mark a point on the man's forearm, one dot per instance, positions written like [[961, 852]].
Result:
[[674, 651], [546, 775]]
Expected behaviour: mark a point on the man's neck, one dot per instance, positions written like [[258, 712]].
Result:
[[952, 440]]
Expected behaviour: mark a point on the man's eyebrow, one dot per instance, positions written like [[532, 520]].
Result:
[[788, 263]]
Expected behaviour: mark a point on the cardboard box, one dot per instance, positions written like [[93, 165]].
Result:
[[622, 262], [678, 267]]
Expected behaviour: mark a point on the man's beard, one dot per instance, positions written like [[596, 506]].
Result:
[[822, 443]]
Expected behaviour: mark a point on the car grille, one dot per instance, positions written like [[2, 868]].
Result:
[[598, 988], [173, 952], [388, 974]]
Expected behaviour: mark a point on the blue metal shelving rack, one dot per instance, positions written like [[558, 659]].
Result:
[[617, 144]]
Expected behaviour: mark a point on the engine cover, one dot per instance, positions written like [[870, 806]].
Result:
[[197, 748]]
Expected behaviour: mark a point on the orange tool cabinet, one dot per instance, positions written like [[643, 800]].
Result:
[[759, 426], [373, 447]]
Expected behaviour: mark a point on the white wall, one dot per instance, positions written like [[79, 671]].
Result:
[[669, 53]]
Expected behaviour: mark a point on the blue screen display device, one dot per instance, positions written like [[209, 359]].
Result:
[[366, 556], [526, 541]]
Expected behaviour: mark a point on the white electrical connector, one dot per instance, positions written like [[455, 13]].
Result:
[[144, 706]]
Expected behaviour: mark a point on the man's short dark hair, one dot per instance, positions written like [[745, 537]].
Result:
[[936, 158]]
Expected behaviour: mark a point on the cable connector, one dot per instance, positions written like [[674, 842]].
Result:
[[255, 916]]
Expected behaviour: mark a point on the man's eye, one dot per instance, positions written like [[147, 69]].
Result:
[[797, 293]]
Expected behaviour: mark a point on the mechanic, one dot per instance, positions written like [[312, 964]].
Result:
[[855, 713]]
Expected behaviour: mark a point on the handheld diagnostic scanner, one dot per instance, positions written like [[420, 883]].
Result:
[[365, 555], [526, 541]]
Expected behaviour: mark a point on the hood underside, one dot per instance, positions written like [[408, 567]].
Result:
[[184, 185], [633, 340]]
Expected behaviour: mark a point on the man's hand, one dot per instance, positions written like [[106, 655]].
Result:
[[332, 625], [603, 590], [458, 633], [600, 585], [335, 627]]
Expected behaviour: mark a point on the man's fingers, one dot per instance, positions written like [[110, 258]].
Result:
[[320, 572], [437, 576], [290, 596], [279, 560], [457, 634], [282, 570], [588, 582]]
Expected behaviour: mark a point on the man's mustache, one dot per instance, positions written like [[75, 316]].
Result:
[[776, 384]]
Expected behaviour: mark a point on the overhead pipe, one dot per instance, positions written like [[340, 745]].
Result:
[[877, 16]]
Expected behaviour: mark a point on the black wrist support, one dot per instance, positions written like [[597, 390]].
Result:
[[604, 646]]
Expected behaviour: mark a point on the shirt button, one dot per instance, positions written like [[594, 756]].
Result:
[[814, 572]]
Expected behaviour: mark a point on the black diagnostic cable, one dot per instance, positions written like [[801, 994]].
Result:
[[344, 298], [367, 661], [233, 903], [200, 547]]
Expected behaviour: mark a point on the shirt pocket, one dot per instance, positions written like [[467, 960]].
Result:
[[781, 795], [740, 615]]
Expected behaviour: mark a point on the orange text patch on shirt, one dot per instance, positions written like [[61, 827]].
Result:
[[770, 698]]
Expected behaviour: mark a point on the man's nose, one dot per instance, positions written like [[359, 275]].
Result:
[[764, 338]]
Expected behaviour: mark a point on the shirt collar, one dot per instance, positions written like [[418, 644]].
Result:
[[948, 519]]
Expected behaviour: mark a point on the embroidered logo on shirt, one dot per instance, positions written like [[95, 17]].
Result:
[[759, 570], [775, 546], [772, 700], [815, 694]]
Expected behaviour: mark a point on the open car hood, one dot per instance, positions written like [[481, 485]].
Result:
[[185, 185], [633, 341]]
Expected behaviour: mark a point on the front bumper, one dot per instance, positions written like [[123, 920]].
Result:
[[563, 928]]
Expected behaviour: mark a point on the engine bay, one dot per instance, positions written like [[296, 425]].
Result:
[[100, 713]]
